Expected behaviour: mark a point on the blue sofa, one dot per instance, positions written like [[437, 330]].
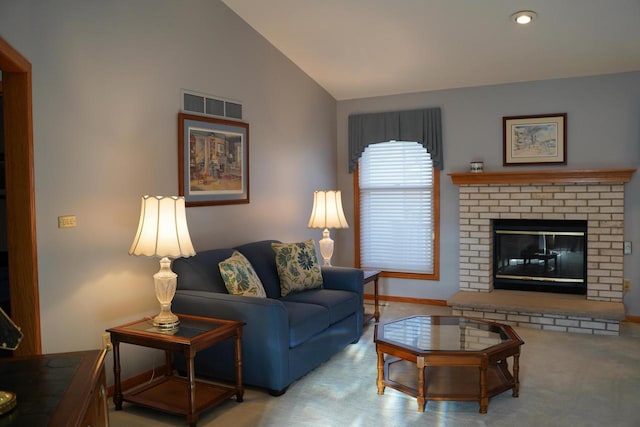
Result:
[[284, 337]]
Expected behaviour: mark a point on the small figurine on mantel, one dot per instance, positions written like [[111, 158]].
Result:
[[476, 166]]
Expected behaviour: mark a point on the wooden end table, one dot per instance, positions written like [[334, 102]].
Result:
[[172, 393], [372, 276]]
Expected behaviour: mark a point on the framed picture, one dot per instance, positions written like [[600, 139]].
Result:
[[535, 139], [213, 160]]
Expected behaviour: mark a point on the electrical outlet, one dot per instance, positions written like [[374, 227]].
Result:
[[106, 341], [627, 285]]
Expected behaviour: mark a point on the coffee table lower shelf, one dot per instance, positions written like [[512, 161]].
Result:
[[455, 383], [171, 394]]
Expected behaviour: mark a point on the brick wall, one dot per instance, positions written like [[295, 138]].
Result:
[[601, 205]]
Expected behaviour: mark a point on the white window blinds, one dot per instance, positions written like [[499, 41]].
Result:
[[396, 208]]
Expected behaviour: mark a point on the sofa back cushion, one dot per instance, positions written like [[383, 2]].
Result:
[[263, 259], [200, 272], [298, 267]]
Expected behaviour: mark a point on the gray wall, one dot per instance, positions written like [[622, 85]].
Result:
[[603, 132], [107, 77]]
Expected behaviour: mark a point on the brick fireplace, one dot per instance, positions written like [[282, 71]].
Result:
[[596, 196]]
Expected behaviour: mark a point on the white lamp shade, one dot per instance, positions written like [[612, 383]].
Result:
[[327, 210], [162, 230]]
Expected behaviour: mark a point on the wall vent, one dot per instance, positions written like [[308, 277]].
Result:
[[210, 105]]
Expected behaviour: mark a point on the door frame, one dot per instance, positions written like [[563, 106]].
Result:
[[20, 189]]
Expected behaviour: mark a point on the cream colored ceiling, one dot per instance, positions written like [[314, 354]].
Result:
[[363, 48]]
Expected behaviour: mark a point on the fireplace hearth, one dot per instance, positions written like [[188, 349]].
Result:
[[540, 255]]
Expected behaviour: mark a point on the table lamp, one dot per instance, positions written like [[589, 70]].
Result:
[[163, 232], [10, 337], [327, 213]]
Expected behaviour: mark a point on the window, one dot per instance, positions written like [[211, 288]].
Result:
[[397, 210]]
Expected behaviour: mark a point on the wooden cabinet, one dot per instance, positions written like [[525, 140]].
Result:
[[63, 389], [97, 413]]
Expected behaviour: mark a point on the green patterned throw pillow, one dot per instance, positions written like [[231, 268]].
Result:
[[298, 266], [239, 276]]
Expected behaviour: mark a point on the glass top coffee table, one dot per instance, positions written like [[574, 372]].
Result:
[[447, 358]]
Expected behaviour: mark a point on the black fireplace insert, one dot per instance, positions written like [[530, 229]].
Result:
[[540, 255]]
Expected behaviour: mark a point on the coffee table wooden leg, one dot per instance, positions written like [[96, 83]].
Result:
[[380, 380], [516, 372], [484, 399], [421, 398]]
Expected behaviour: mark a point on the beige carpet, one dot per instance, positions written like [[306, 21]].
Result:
[[566, 380]]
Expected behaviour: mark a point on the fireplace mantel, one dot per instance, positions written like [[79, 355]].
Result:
[[552, 176]]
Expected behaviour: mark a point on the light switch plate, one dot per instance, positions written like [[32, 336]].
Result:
[[66, 221], [627, 247]]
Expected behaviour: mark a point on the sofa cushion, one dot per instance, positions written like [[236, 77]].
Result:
[[297, 266], [239, 276], [305, 321], [341, 304], [263, 260]]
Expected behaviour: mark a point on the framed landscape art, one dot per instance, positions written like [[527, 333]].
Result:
[[535, 139], [213, 160]]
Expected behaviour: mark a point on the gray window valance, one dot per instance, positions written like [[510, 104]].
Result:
[[423, 126]]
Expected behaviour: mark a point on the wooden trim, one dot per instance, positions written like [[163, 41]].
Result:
[[21, 213], [562, 176], [11, 60], [436, 226], [632, 319]]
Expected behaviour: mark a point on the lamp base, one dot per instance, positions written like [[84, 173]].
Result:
[[166, 322], [165, 284], [326, 247]]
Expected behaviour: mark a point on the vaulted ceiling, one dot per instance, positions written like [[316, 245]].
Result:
[[364, 48]]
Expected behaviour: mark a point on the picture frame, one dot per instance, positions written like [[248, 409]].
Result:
[[537, 139], [213, 160]]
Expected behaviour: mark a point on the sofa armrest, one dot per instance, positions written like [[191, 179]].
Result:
[[343, 278]]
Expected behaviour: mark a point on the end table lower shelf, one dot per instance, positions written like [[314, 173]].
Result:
[[168, 394]]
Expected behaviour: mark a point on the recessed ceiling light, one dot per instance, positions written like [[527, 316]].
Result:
[[524, 16]]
